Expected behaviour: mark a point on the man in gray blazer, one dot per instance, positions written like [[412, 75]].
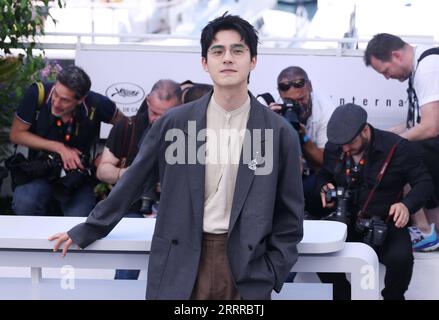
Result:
[[231, 207]]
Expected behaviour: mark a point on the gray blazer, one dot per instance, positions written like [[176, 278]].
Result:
[[266, 221]]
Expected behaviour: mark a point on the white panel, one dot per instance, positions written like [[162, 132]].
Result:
[[344, 79]]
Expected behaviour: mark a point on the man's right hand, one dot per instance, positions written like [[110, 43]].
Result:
[[323, 190], [70, 157], [276, 107], [60, 239]]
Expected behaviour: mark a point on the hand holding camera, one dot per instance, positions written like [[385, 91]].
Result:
[[323, 191], [290, 110], [342, 196], [71, 157]]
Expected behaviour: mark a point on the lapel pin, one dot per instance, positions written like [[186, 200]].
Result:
[[256, 162], [253, 164]]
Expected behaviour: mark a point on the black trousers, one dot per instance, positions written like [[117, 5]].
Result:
[[396, 254], [428, 149]]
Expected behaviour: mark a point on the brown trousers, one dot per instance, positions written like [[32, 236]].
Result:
[[214, 279]]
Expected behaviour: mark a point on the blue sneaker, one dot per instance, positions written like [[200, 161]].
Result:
[[424, 242]]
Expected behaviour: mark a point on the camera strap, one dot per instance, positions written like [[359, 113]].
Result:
[[128, 140], [378, 180], [41, 99], [268, 98]]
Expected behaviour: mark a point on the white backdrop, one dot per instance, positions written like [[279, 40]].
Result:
[[126, 76]]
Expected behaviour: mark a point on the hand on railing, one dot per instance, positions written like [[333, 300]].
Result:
[[60, 239]]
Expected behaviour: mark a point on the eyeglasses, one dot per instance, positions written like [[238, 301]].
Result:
[[237, 50], [285, 86]]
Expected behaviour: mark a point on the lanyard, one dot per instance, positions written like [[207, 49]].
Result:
[[68, 131], [413, 106], [353, 172]]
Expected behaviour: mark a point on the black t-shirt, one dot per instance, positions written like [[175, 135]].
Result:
[[124, 139], [84, 129]]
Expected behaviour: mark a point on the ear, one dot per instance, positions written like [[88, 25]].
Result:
[[253, 62], [81, 100], [204, 64], [397, 54], [366, 129]]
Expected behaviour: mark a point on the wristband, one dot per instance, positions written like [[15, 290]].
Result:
[[305, 138]]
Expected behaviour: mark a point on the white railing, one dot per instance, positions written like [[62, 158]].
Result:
[[64, 45]]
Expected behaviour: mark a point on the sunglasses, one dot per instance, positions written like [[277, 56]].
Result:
[[285, 86]]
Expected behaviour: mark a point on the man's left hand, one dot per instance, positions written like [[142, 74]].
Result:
[[400, 214], [302, 129]]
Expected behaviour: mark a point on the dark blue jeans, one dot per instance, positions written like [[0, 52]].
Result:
[[33, 199]]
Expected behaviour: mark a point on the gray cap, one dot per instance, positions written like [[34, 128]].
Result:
[[346, 123]]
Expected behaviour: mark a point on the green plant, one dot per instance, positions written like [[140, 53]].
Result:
[[20, 22]]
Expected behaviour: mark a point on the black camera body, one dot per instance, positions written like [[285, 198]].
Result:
[[290, 109], [291, 112], [342, 197], [24, 170], [71, 180], [3, 173], [374, 230], [49, 166]]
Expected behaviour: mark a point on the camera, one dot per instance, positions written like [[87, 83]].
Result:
[[374, 230], [3, 173], [291, 112], [146, 204], [24, 170], [49, 166], [290, 109], [67, 182], [341, 213]]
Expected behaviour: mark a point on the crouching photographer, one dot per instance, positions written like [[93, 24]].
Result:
[[363, 175], [60, 119]]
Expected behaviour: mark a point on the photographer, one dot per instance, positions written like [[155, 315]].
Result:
[[123, 143], [309, 114], [373, 166], [59, 122], [395, 59]]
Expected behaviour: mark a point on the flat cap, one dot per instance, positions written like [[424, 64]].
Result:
[[346, 123]]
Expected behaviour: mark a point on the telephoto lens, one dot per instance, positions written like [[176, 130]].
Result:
[[146, 205]]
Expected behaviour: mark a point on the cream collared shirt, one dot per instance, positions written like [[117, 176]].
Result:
[[224, 138]]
